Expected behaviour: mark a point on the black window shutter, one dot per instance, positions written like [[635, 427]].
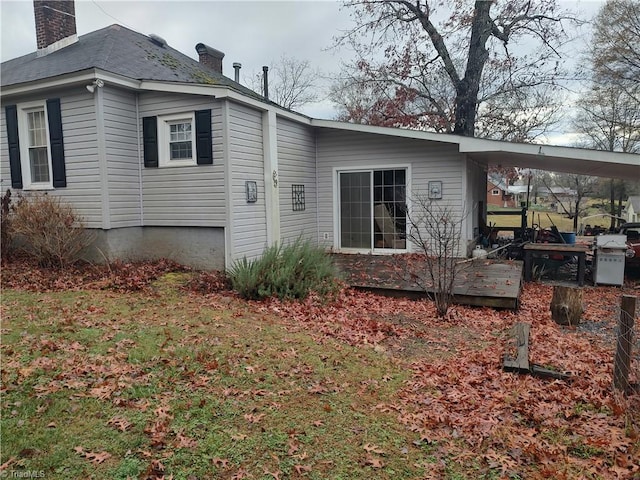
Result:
[[150, 141], [203, 137], [56, 141], [14, 146]]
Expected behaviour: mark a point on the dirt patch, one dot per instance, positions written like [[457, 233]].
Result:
[[425, 342]]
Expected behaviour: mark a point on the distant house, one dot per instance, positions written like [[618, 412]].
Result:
[[165, 156], [632, 209], [561, 199], [498, 193]]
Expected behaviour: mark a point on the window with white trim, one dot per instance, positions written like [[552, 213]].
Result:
[[35, 151], [176, 140], [495, 191]]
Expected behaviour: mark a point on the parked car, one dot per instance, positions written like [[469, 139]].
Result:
[[632, 231]]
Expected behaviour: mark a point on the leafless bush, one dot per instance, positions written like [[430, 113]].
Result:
[[436, 229], [50, 230], [6, 230]]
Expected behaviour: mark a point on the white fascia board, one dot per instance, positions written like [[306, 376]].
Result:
[[218, 91], [89, 75], [389, 131], [49, 83], [75, 79], [480, 145]]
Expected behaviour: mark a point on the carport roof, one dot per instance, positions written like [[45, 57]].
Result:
[[523, 155]]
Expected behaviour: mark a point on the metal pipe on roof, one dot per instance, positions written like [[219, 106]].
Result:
[[265, 80], [237, 66]]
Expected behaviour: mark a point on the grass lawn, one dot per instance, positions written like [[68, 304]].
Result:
[[167, 382], [541, 218]]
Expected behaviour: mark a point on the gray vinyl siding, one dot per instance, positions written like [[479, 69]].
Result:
[[346, 150], [297, 166], [246, 160], [122, 157], [184, 196], [80, 147]]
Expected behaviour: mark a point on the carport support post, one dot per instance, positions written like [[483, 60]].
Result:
[[622, 363]]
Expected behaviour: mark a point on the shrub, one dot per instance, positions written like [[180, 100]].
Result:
[[6, 230], [49, 230], [288, 272]]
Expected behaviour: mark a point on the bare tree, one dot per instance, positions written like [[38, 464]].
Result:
[[293, 83], [439, 70], [616, 45], [435, 228], [609, 112], [609, 119]]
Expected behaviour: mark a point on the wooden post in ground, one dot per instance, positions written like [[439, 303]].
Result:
[[566, 305], [622, 363]]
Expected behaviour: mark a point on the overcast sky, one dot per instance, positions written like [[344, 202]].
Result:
[[254, 33]]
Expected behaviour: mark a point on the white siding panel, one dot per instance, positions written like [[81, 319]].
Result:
[[247, 163], [428, 161], [81, 152], [184, 196], [123, 159], [297, 166]]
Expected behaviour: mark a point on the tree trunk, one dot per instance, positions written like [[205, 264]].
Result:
[[566, 305], [467, 90]]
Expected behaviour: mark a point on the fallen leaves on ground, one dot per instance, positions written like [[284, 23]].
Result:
[[458, 402], [94, 457], [460, 398]]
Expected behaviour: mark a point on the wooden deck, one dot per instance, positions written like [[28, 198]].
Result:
[[486, 283]]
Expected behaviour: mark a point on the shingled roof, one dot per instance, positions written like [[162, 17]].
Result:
[[117, 50]]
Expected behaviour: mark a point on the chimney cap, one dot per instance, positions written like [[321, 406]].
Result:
[[237, 65], [203, 49]]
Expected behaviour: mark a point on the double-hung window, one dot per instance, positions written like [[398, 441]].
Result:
[[36, 145], [176, 138]]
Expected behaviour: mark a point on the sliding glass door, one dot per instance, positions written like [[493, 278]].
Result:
[[373, 212], [355, 210]]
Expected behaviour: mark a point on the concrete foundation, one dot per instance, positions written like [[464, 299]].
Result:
[[196, 247]]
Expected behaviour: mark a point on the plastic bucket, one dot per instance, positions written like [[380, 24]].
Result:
[[568, 237]]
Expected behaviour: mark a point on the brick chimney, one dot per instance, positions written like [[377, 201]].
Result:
[[55, 24], [210, 57]]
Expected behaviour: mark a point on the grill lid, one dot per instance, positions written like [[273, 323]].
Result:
[[611, 241]]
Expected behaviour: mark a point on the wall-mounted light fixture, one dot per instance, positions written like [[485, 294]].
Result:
[[96, 83]]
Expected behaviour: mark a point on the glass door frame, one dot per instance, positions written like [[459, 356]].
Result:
[[337, 229]]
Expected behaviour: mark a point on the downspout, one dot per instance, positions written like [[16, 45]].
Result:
[[318, 239]]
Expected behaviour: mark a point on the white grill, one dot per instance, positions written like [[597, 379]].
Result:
[[609, 259]]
